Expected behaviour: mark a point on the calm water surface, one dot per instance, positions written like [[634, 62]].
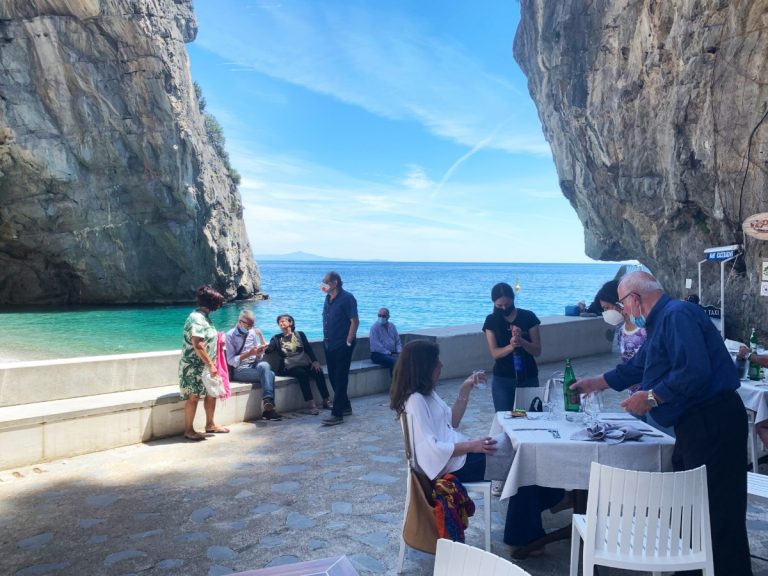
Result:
[[419, 295]]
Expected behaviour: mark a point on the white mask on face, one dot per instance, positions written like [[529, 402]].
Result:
[[613, 317]]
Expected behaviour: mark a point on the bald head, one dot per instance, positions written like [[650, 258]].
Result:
[[642, 283]]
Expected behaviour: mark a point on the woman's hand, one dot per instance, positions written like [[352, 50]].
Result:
[[213, 371], [316, 366], [485, 445]]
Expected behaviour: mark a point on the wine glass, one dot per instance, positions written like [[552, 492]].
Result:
[[552, 400], [480, 384], [591, 406]]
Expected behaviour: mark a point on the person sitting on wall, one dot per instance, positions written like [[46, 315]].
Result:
[[384, 341], [244, 358]]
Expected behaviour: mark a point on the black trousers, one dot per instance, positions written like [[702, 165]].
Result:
[[715, 434], [338, 362], [303, 374]]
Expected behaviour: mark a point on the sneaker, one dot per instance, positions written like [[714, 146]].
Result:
[[347, 411], [497, 486], [332, 420], [268, 405], [271, 415]]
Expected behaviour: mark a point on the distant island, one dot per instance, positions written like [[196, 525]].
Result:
[[294, 257]]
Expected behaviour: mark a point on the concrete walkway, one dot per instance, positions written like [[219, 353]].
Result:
[[268, 493]]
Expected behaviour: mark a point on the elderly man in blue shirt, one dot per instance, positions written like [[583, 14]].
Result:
[[688, 380], [384, 341]]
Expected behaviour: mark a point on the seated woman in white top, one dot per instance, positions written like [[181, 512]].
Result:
[[440, 448]]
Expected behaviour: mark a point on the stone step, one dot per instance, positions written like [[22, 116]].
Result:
[[43, 431]]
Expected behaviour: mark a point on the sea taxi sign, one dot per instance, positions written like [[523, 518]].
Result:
[[721, 252], [756, 226]]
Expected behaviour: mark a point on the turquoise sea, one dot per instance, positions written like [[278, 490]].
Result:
[[419, 295]]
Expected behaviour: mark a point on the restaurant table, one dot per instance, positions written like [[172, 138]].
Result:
[[543, 460], [336, 566], [545, 455], [754, 394]]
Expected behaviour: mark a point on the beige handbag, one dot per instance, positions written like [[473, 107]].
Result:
[[420, 529]]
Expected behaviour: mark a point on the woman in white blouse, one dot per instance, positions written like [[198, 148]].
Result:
[[440, 448]]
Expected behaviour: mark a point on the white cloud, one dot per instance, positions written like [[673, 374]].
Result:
[[416, 178], [384, 63]]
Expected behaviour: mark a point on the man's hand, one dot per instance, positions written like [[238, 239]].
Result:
[[316, 366], [637, 403], [589, 385]]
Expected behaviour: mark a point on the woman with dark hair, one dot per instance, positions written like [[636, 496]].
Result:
[[440, 448], [514, 340], [198, 353], [298, 360]]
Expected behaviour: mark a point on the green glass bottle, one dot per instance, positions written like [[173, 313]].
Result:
[[753, 341], [572, 398]]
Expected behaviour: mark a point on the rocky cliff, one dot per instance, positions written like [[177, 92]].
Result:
[[656, 114], [110, 191]]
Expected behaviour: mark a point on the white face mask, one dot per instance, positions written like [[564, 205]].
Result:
[[613, 317]]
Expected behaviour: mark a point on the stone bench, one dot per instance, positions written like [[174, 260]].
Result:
[[53, 409], [42, 431]]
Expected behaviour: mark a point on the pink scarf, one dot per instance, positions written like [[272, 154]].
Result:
[[221, 365]]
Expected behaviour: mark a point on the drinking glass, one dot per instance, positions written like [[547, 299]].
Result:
[[591, 406], [479, 384], [553, 402]]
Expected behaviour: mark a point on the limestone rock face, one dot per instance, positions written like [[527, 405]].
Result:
[[110, 191], [656, 114]]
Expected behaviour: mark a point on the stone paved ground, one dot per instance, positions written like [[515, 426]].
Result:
[[266, 494]]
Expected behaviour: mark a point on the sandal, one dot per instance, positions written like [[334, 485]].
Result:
[[327, 404], [310, 411], [196, 437], [217, 430]]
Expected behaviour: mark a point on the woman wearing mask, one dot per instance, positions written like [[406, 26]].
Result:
[[514, 341], [198, 353], [297, 359], [629, 338]]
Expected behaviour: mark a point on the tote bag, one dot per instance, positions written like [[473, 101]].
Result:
[[420, 528]]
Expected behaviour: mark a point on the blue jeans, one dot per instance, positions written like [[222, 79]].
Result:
[[503, 391], [260, 372], [388, 360]]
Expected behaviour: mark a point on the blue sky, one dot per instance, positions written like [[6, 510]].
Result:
[[383, 129]]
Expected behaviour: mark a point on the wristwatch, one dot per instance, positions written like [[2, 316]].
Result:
[[652, 399]]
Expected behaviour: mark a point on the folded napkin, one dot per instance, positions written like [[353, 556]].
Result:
[[608, 433]]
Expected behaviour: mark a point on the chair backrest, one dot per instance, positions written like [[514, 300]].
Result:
[[627, 511], [457, 559], [524, 396], [406, 423]]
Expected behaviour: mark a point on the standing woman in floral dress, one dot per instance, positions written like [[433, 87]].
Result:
[[198, 353]]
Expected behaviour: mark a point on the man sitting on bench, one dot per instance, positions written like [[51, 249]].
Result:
[[244, 359]]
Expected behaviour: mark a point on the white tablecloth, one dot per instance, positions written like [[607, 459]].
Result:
[[561, 462], [755, 398]]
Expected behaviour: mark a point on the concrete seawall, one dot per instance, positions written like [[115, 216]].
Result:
[[58, 408]]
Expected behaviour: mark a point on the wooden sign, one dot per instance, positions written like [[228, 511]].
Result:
[[756, 226]]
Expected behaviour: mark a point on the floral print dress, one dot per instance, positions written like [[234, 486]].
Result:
[[190, 366]]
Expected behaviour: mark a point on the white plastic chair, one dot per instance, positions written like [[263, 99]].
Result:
[[644, 521], [457, 559], [753, 440], [524, 396], [482, 488]]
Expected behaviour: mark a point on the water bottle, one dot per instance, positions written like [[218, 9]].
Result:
[[571, 397], [517, 358]]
